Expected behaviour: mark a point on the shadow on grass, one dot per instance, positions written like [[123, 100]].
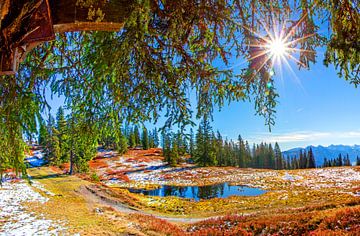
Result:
[[48, 176], [151, 168]]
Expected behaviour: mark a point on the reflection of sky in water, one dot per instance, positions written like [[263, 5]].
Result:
[[36, 160], [223, 190]]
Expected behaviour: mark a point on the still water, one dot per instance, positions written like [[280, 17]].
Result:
[[223, 190]]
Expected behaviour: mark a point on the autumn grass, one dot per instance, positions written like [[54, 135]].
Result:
[[287, 207], [70, 207], [270, 201], [281, 195], [344, 221]]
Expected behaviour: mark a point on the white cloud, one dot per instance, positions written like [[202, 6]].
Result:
[[302, 136], [350, 134]]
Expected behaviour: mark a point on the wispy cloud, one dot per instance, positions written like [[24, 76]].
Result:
[[302, 136], [350, 134], [300, 109]]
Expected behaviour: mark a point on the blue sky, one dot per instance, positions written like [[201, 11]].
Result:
[[315, 107]]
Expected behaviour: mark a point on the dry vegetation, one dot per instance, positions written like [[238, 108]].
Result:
[[316, 201]]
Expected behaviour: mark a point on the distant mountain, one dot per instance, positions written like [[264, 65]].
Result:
[[329, 152]]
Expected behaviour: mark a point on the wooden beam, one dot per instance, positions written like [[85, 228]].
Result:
[[29, 23], [97, 15]]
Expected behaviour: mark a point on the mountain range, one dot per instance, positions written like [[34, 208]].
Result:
[[330, 152]]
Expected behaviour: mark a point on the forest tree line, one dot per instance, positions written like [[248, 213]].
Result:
[[339, 161], [63, 142], [207, 148]]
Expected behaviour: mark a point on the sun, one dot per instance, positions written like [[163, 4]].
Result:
[[273, 46], [277, 48]]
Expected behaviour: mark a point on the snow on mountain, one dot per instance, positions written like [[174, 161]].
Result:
[[330, 152]]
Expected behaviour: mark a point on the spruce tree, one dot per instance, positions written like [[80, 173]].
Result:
[[145, 139], [83, 140], [166, 144], [247, 155], [325, 164], [174, 152], [132, 140], [151, 140], [205, 154], [288, 162], [52, 145], [241, 152], [220, 150], [63, 137], [122, 144], [311, 159], [278, 157], [43, 134], [137, 136], [347, 160], [191, 143], [156, 138], [339, 160], [302, 160]]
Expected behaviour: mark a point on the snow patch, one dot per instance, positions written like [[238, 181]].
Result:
[[16, 221]]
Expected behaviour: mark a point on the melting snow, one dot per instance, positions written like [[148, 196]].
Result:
[[15, 220]]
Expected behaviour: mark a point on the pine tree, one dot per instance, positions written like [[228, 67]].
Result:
[[288, 162], [271, 155], [241, 152], [347, 160], [205, 154], [145, 139], [219, 149], [122, 144], [180, 143], [325, 164], [137, 136], [151, 140], [311, 159], [166, 144], [174, 152], [43, 134], [253, 156], [357, 160], [61, 126], [278, 157], [53, 151], [132, 140], [302, 160], [247, 155], [156, 138], [191, 143], [52, 145], [339, 160], [82, 143]]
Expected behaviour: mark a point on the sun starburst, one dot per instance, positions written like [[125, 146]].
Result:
[[276, 47]]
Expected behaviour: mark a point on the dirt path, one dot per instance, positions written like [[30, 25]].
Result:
[[93, 195]]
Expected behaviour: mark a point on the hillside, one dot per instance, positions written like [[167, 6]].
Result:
[[332, 151]]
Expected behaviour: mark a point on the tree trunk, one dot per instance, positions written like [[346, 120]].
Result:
[[71, 171]]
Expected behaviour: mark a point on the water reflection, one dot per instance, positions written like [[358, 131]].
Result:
[[223, 190]]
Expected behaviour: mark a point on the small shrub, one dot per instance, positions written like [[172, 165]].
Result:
[[94, 177]]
